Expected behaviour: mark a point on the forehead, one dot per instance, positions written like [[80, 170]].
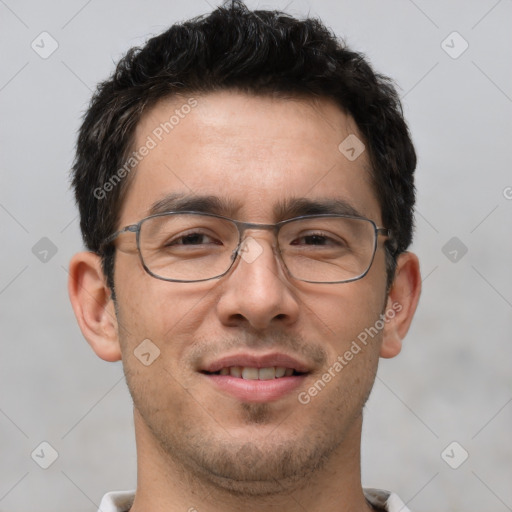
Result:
[[254, 153]]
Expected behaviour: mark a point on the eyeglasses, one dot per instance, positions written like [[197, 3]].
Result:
[[193, 246]]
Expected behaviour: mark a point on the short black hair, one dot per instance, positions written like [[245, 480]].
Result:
[[257, 52]]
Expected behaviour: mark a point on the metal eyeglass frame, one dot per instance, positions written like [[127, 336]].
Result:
[[242, 227]]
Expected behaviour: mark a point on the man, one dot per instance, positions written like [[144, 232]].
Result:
[[245, 186]]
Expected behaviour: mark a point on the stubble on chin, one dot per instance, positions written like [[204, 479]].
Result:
[[276, 463], [256, 413], [257, 469]]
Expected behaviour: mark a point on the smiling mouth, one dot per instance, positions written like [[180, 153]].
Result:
[[253, 373]]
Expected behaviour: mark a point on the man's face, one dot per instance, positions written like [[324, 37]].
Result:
[[254, 154]]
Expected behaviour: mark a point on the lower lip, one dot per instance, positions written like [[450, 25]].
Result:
[[256, 390]]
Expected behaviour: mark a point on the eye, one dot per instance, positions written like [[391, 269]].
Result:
[[191, 239], [312, 240], [318, 239]]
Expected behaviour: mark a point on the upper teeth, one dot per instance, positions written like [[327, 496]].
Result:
[[247, 372]]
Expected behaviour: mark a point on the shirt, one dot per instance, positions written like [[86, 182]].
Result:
[[121, 501]]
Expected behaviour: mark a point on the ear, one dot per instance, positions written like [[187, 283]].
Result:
[[401, 304], [93, 305]]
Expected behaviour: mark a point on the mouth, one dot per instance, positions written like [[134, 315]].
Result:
[[254, 373], [254, 378]]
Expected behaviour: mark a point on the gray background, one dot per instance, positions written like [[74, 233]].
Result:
[[452, 381]]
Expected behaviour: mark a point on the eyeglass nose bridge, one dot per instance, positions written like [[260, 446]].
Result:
[[244, 226], [248, 247]]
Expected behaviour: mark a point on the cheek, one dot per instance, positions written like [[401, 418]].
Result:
[[169, 314], [345, 313], [144, 303], [153, 335]]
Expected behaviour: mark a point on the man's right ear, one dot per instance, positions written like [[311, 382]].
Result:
[[93, 305]]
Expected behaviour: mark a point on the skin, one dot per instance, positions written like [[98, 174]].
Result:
[[199, 448]]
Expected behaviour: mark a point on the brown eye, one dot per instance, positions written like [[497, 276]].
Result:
[[193, 239]]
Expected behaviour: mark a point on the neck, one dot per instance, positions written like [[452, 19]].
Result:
[[167, 484]]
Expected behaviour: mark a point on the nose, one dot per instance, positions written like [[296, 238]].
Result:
[[257, 290]]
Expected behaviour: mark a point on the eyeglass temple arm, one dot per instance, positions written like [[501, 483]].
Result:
[[133, 228], [389, 234]]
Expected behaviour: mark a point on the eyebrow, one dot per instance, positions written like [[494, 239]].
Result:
[[195, 203], [286, 209], [296, 207]]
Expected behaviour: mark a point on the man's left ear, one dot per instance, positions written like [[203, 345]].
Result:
[[401, 304]]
